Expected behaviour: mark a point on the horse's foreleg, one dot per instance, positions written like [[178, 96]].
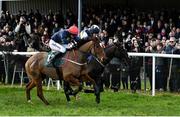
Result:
[[76, 82], [66, 89], [40, 93], [96, 87], [29, 86]]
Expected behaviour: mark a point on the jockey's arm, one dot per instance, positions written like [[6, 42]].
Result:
[[76, 39], [60, 38], [55, 37]]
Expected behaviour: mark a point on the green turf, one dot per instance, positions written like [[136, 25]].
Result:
[[13, 102]]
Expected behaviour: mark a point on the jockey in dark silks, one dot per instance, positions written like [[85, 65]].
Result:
[[85, 34], [62, 40], [89, 32], [93, 31]]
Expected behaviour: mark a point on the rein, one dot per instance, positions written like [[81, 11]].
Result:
[[80, 64], [98, 61], [87, 55]]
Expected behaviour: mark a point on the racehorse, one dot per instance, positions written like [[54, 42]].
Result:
[[74, 67], [96, 68]]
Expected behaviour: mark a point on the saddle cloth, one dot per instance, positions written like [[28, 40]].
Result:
[[58, 61]]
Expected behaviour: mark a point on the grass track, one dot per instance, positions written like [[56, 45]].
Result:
[[13, 102]]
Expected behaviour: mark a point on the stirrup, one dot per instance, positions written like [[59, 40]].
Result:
[[50, 58]]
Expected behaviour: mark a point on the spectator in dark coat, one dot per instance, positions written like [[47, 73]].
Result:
[[124, 73], [177, 51], [136, 62], [159, 65], [172, 65], [114, 68]]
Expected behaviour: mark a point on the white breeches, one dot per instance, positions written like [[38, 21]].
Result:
[[57, 47]]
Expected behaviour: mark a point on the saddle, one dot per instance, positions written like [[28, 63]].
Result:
[[57, 62]]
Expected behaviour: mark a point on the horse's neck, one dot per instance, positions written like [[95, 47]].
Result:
[[84, 50], [80, 55], [86, 47], [110, 53]]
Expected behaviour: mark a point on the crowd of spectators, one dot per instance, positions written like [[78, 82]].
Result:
[[154, 31], [139, 30]]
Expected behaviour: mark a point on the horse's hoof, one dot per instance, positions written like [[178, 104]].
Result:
[[47, 103], [97, 101], [30, 102]]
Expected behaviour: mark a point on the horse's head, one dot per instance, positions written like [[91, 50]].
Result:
[[93, 47], [117, 50], [122, 53]]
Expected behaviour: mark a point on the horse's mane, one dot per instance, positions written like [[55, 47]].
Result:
[[82, 42]]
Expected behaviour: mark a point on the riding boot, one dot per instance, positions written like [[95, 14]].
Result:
[[53, 56]]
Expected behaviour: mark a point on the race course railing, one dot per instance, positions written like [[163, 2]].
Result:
[[153, 55]]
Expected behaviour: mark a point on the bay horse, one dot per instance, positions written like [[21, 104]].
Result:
[[95, 68], [74, 67]]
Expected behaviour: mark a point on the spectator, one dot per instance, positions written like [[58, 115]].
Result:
[[135, 80], [22, 30], [114, 67], [124, 73], [56, 28], [159, 69], [177, 51], [172, 65], [34, 41]]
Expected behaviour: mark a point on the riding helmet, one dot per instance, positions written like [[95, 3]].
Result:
[[94, 29], [73, 30]]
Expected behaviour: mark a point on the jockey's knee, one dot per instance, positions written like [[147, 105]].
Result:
[[63, 50]]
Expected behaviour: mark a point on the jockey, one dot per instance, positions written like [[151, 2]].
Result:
[[62, 40], [93, 31], [89, 32]]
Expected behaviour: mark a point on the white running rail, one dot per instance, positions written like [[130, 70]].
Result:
[[153, 55]]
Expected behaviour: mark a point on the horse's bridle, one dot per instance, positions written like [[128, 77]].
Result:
[[95, 55], [87, 54]]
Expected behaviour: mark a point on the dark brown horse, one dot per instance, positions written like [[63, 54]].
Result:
[[73, 68]]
